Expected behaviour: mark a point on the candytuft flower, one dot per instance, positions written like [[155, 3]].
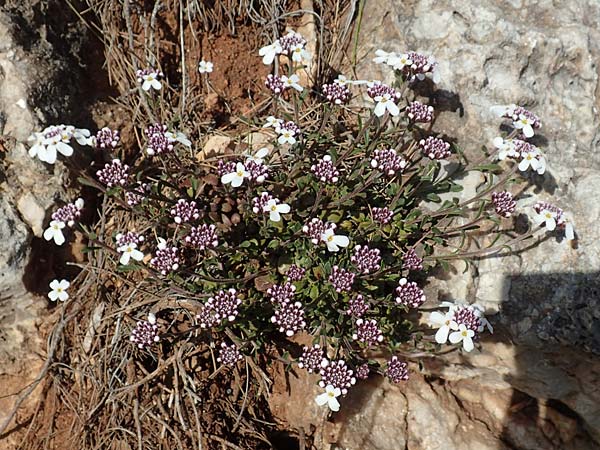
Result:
[[268, 52], [236, 178], [334, 241], [293, 81], [54, 231], [59, 290], [385, 98], [553, 217], [145, 332], [275, 209], [129, 251], [148, 78], [329, 397], [205, 66], [465, 335]]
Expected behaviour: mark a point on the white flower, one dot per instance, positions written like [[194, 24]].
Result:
[[81, 135], [503, 110], [275, 210], [59, 290], [531, 160], [150, 80], [465, 335], [129, 251], [258, 157], [178, 136], [334, 241], [385, 103], [162, 243], [381, 56], [329, 397], [268, 52], [444, 322], [505, 147], [54, 231], [569, 230], [205, 66], [236, 178], [272, 122], [38, 148], [547, 218], [152, 320], [300, 54], [79, 203], [399, 62], [293, 82], [286, 136], [524, 124]]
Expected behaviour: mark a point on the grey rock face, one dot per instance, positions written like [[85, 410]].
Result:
[[542, 55]]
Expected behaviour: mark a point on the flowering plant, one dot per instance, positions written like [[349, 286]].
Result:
[[330, 229]]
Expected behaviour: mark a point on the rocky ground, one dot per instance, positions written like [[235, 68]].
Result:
[[535, 384]]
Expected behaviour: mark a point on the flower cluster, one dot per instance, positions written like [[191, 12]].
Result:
[[275, 83], [295, 273], [504, 203], [385, 98], [67, 215], [325, 171], [388, 161], [106, 139], [287, 132], [185, 211], [396, 370], [137, 194], [362, 371], [341, 279], [382, 215], [115, 173], [229, 354], [522, 119], [419, 113], [338, 375], [273, 207], [289, 318], [224, 305], [149, 78], [465, 321], [408, 293], [435, 148], [166, 259], [159, 139], [411, 260], [56, 139], [202, 237], [281, 293], [367, 332], [127, 244], [413, 65], [553, 217], [291, 45], [337, 93], [312, 359], [145, 333], [358, 306], [365, 259]]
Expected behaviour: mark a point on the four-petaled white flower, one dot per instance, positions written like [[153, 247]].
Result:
[[292, 81], [54, 231], [258, 157], [398, 62], [329, 397], [268, 52], [300, 54], [286, 137], [59, 290], [445, 323], [236, 178], [505, 147], [205, 66], [150, 80], [385, 103], [334, 241], [465, 335], [530, 159], [381, 56], [38, 147], [276, 209], [129, 251], [178, 136], [272, 121], [547, 218], [524, 124]]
